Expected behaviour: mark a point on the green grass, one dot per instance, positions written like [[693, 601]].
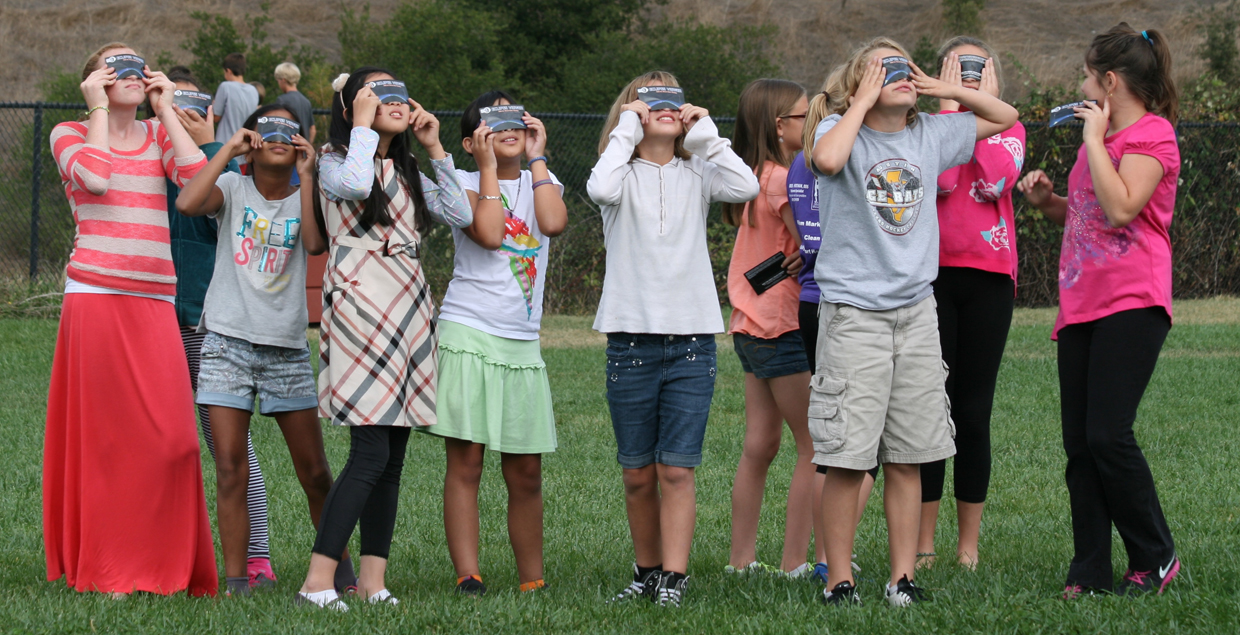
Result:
[[1187, 426]]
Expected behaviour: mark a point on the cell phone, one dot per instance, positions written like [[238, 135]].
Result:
[[277, 129], [971, 67], [126, 65], [1063, 114], [767, 274], [662, 97], [507, 117], [895, 69], [192, 100], [390, 91]]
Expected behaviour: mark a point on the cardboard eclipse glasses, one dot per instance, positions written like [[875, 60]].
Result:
[[277, 129], [126, 65], [390, 91], [662, 97]]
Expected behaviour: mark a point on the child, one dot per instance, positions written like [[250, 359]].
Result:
[[254, 318], [657, 175], [123, 504], [877, 395], [493, 388], [1115, 304], [235, 100], [377, 351], [194, 240], [975, 293], [764, 326]]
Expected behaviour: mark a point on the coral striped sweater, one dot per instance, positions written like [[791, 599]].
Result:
[[120, 206]]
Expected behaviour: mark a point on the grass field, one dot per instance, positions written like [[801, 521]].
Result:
[[1187, 425]]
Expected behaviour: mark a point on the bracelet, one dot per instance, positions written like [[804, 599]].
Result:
[[484, 197], [531, 161], [542, 182], [103, 108]]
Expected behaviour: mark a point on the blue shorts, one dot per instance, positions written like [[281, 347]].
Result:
[[659, 389], [766, 359], [233, 371]]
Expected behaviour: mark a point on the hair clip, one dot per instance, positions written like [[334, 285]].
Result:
[[1146, 35]]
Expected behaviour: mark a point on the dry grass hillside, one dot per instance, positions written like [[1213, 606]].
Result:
[[1048, 36]]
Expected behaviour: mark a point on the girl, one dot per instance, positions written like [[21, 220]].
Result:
[[1115, 303], [123, 504], [764, 327], [193, 255], [254, 318], [378, 353], [877, 395], [657, 174], [494, 393], [975, 292]]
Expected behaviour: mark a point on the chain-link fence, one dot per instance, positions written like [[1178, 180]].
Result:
[[37, 228]]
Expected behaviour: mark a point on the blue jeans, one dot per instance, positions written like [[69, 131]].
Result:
[[659, 389], [233, 370]]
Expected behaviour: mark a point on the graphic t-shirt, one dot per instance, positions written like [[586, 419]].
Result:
[[773, 313], [1102, 269], [879, 222], [803, 197], [258, 289], [500, 291]]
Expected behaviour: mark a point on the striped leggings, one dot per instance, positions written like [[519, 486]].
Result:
[[256, 495]]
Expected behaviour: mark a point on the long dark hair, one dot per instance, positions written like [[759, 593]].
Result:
[[472, 117], [407, 172], [756, 139], [1144, 61]]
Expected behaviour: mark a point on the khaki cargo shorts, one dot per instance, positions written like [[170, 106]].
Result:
[[878, 394]]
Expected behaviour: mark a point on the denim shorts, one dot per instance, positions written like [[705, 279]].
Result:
[[767, 359], [233, 371], [659, 389]]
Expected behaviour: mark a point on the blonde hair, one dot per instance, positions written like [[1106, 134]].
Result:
[[841, 84], [628, 95], [288, 72], [756, 139], [966, 40], [92, 62]]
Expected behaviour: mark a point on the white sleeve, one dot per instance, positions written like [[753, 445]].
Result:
[[607, 177], [727, 179]]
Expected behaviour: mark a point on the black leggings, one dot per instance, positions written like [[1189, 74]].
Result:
[[807, 315], [1104, 367], [975, 313], [367, 490]]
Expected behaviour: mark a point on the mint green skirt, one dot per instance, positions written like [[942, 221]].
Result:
[[494, 391]]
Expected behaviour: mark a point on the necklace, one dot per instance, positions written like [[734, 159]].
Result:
[[513, 208]]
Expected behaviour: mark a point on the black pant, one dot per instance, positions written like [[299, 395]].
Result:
[[1104, 367], [975, 313], [366, 490], [807, 315]]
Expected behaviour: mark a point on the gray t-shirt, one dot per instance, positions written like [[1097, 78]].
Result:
[[301, 109], [879, 220], [258, 290], [234, 102]]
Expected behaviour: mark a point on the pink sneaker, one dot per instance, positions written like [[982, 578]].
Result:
[[261, 575]]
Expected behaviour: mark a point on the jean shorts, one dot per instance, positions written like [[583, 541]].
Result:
[[767, 359], [233, 371], [659, 389]]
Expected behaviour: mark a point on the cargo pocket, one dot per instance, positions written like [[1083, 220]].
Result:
[[828, 423], [947, 402]]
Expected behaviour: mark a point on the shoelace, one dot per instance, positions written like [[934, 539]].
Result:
[[1138, 577], [634, 588], [669, 595]]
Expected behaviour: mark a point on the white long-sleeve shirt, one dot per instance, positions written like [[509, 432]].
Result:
[[659, 277]]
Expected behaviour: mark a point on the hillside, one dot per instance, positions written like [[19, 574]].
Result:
[[1047, 36]]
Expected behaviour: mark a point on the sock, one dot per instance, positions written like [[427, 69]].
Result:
[[238, 586], [345, 577], [530, 586], [643, 571], [674, 577]]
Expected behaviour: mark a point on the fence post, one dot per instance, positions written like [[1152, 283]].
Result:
[[36, 168]]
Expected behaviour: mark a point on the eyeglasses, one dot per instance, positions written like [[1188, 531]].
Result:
[[792, 116]]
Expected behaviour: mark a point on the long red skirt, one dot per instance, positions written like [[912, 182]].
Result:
[[123, 505]]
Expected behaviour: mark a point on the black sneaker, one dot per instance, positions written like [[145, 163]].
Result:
[[641, 586], [905, 593], [471, 585], [671, 589], [844, 594], [1141, 582]]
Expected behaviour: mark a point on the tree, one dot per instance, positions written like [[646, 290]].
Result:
[[963, 16]]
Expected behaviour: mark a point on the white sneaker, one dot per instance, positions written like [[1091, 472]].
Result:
[[323, 599], [383, 597]]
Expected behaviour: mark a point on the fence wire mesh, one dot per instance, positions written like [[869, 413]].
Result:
[[37, 228]]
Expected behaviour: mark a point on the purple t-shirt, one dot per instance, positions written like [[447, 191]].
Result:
[[803, 197]]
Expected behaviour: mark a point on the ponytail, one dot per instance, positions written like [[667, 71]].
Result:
[[818, 110], [1143, 59]]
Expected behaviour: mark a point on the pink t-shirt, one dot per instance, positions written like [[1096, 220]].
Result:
[[1102, 269], [773, 313], [977, 228]]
